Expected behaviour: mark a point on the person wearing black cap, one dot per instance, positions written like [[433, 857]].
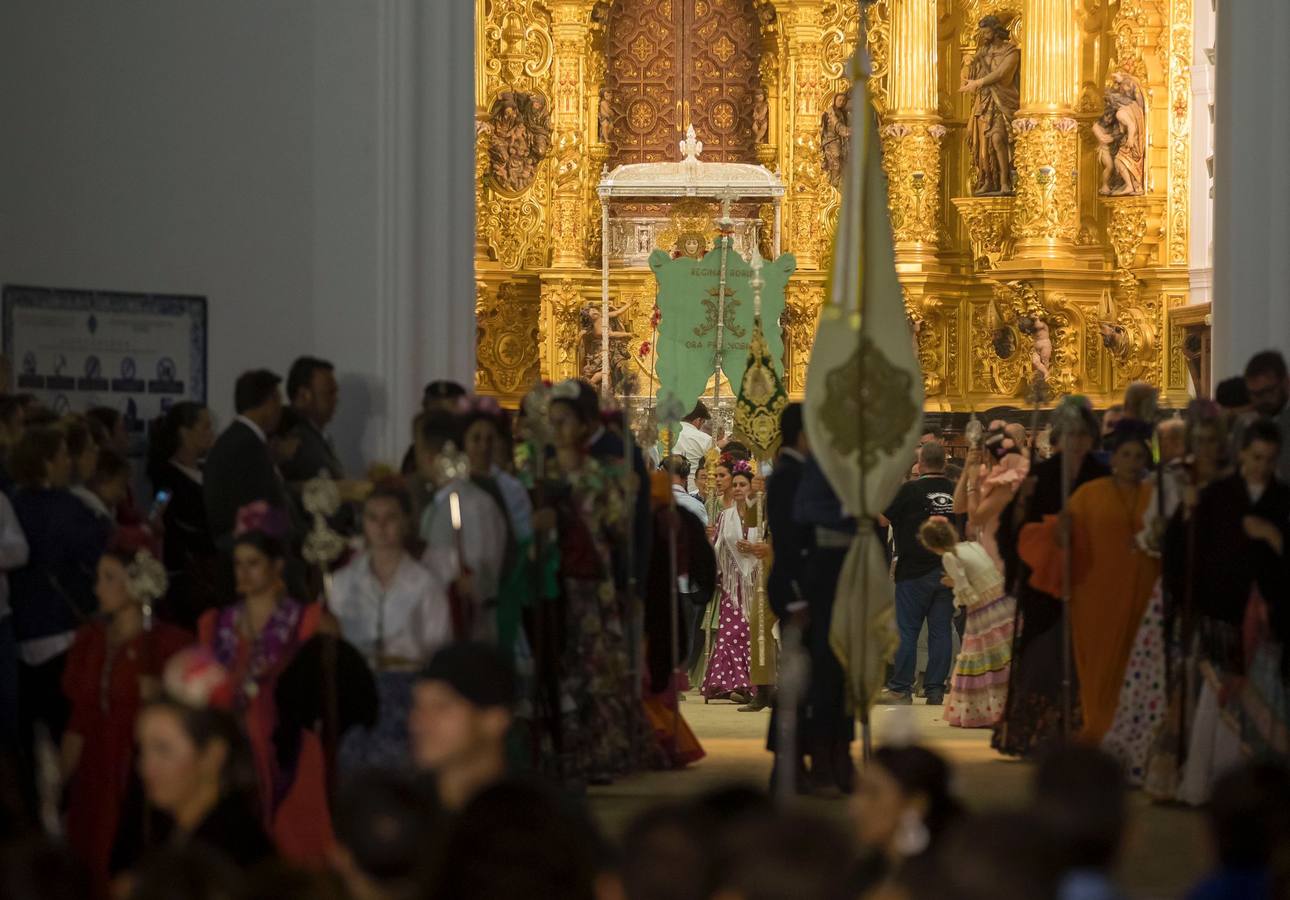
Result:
[[440, 397], [461, 712], [1232, 395]]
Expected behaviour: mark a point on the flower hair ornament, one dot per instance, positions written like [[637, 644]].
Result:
[[479, 406], [195, 678], [260, 516], [741, 467]]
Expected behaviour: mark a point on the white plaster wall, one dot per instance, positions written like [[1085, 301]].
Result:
[[1252, 182], [276, 157]]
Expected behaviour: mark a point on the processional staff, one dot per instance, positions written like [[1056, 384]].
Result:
[[322, 547], [725, 228]]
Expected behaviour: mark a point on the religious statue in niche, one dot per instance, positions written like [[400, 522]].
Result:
[[1114, 338], [1122, 137], [519, 127], [760, 117], [691, 244], [1030, 319], [605, 116], [835, 137], [1041, 349], [994, 76], [621, 381]]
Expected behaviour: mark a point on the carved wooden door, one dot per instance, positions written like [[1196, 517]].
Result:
[[678, 62]]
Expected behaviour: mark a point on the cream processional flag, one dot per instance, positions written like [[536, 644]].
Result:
[[864, 399]]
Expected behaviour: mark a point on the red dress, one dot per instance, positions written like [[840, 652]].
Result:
[[104, 693], [295, 806]]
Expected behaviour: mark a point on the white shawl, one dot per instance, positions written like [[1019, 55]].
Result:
[[738, 570]]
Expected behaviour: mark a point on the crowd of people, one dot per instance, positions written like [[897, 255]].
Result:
[[402, 682], [1122, 582]]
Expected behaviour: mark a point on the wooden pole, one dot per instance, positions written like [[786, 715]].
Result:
[[604, 298]]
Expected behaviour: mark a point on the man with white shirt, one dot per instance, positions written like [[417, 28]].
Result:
[[693, 442], [239, 469], [471, 561], [679, 468]]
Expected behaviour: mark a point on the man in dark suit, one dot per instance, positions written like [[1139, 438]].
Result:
[[312, 391], [790, 543], [313, 394], [239, 469]]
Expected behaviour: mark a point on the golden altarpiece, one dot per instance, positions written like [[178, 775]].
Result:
[[1073, 268]]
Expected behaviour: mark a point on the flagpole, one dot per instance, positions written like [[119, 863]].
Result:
[[1065, 538], [725, 227], [673, 596], [862, 146]]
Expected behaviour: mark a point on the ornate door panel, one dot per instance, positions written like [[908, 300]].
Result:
[[644, 58], [724, 48], [676, 62]]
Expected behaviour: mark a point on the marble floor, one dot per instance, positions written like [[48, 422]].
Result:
[[1165, 851]]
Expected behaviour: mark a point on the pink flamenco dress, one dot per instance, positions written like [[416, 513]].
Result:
[[293, 800], [979, 685]]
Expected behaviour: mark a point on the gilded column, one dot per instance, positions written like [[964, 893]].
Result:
[[912, 132], [569, 27], [801, 20], [1046, 213]]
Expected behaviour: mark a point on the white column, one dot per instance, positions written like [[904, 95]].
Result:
[[1252, 183], [443, 162]]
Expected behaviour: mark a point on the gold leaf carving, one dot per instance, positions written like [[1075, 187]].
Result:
[[507, 329], [1047, 184]]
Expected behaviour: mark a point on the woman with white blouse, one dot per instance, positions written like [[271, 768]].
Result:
[[395, 611]]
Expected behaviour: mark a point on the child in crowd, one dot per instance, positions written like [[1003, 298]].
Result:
[[979, 685]]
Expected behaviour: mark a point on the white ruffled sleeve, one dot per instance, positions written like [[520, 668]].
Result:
[[964, 593]]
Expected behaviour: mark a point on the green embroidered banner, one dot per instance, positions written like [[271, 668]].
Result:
[[688, 298]]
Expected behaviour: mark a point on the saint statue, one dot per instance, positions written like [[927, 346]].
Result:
[[994, 75], [1122, 137], [519, 138], [605, 116], [538, 121], [761, 117], [620, 357], [835, 137]]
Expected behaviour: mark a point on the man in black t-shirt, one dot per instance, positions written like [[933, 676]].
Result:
[[920, 596]]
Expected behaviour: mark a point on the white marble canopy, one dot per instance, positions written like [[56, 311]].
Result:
[[691, 177]]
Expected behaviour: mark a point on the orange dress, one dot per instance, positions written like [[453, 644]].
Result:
[[297, 816], [1111, 583]]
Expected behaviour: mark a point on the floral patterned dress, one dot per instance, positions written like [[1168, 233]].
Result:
[[294, 802], [602, 731]]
